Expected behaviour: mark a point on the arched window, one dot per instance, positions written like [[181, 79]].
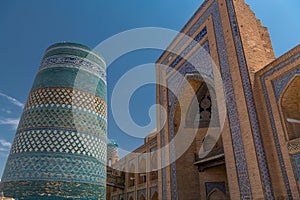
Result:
[[290, 105], [154, 196], [131, 176], [153, 174], [142, 197], [142, 170], [216, 195]]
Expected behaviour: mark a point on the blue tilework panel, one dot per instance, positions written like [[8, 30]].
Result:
[[210, 186], [142, 192], [296, 165], [73, 62], [70, 78], [61, 137], [281, 83]]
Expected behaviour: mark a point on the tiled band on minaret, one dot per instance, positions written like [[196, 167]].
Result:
[[60, 144]]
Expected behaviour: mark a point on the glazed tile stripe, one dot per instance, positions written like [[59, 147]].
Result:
[[70, 78], [190, 46], [66, 98], [75, 62], [260, 152], [280, 83], [79, 190], [63, 51], [59, 141], [55, 166], [62, 118], [76, 46]]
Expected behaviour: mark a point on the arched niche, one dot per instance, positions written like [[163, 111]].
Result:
[[131, 175], [142, 171], [154, 196], [290, 107], [216, 194], [142, 197]]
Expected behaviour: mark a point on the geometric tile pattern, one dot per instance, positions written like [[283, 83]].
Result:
[[296, 165], [293, 146], [61, 136], [68, 119], [58, 166], [280, 83], [73, 61], [59, 141], [65, 98], [249, 96], [210, 186], [50, 188]]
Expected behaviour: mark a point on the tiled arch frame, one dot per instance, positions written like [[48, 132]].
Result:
[[278, 84], [285, 81]]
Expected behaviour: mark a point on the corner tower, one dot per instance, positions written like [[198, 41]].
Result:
[[59, 151]]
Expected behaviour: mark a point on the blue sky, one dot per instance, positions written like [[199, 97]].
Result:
[[29, 27]]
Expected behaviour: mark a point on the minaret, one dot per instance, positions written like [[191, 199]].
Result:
[[112, 153], [59, 151]]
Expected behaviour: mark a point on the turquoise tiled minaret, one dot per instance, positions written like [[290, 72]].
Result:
[[59, 151]]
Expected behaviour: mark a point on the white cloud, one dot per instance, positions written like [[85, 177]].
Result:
[[10, 121], [12, 100], [4, 143], [4, 147]]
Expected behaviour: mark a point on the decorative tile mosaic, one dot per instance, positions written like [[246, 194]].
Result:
[[68, 119], [59, 141], [296, 165], [79, 190], [281, 83], [65, 51], [70, 78], [59, 97], [210, 186], [55, 166], [293, 146]]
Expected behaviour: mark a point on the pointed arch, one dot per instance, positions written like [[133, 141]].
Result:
[[290, 108]]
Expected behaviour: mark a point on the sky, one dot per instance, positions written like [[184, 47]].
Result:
[[27, 28]]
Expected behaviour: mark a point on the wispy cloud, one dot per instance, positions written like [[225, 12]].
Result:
[[12, 100], [10, 121], [5, 143], [6, 111], [4, 147]]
